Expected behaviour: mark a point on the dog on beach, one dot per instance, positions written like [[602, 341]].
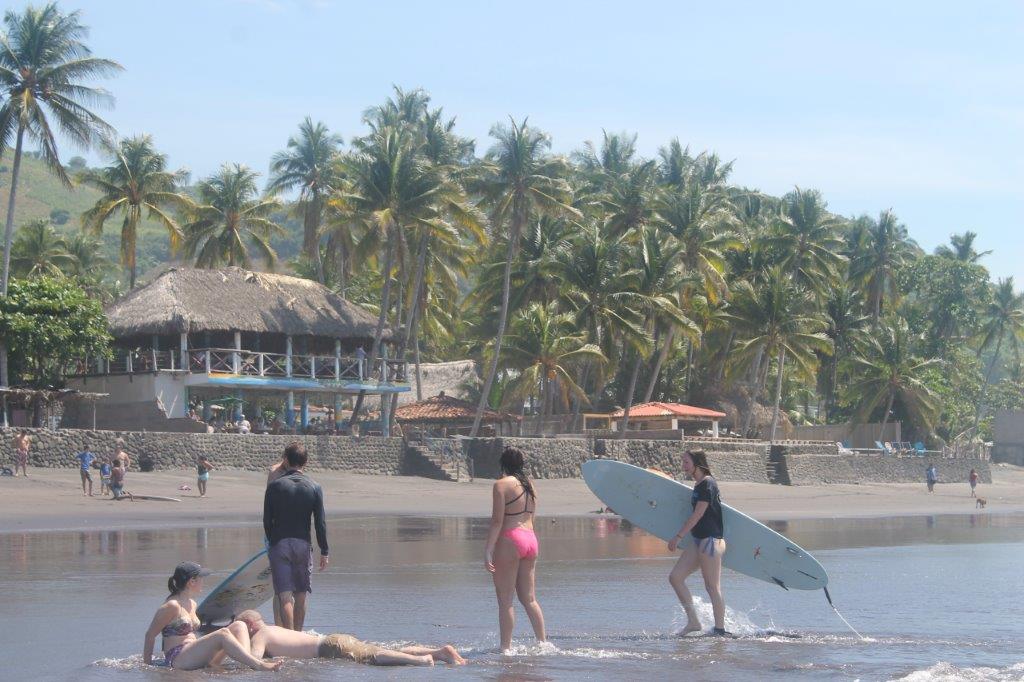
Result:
[[980, 502]]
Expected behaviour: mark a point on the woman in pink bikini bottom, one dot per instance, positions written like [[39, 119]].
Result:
[[512, 546]]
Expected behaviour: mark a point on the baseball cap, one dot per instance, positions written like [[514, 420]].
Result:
[[187, 570]]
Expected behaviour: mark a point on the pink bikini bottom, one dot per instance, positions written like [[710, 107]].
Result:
[[525, 541]]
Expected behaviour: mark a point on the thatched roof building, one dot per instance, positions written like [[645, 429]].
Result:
[[191, 300]]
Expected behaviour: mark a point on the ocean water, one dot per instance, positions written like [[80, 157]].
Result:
[[936, 598]]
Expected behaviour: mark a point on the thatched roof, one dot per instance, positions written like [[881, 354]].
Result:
[[229, 299], [444, 408], [451, 378]]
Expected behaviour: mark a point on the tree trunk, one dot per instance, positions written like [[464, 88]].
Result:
[[689, 370], [778, 393], [8, 238], [385, 303], [757, 388], [830, 402], [984, 386], [419, 374], [885, 417], [725, 356], [656, 371], [502, 321], [878, 301], [9, 226], [629, 395]]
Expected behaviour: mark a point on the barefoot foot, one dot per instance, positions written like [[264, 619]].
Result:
[[449, 654], [271, 666], [691, 626]]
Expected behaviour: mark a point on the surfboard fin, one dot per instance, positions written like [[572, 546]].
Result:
[[780, 583]]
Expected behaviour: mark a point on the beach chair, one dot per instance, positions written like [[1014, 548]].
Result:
[[880, 447], [843, 450], [919, 447], [907, 446], [889, 450]]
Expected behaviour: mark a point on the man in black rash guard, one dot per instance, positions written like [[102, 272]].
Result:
[[288, 504]]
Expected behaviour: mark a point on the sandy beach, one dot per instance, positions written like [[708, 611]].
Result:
[[51, 499]]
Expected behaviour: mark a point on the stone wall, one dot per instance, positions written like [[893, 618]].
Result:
[[811, 469], [234, 451], [563, 457]]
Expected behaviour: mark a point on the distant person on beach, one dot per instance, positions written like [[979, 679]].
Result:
[[243, 425], [288, 505], [22, 442], [706, 526], [931, 475], [203, 469], [273, 641], [121, 455], [512, 549], [177, 624], [117, 473], [85, 460], [973, 480], [105, 470]]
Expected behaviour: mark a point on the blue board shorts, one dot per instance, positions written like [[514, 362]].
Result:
[[291, 565]]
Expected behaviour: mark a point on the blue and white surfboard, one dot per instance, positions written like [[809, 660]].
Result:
[[661, 505]]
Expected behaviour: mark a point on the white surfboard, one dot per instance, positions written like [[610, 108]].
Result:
[[249, 587], [661, 505]]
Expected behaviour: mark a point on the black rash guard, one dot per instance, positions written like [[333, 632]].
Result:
[[710, 524], [287, 506]]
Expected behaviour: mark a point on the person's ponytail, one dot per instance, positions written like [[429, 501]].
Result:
[[171, 586]]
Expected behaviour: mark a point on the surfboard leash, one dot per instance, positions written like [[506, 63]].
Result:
[[829, 598]]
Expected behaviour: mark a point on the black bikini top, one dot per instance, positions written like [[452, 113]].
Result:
[[526, 505]]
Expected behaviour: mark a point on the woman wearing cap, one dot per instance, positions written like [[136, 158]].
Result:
[[177, 623], [706, 527]]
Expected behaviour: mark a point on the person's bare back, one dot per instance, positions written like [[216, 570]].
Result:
[[273, 641]]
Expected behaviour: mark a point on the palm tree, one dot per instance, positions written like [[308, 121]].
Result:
[[660, 280], [43, 63], [1003, 319], [394, 193], [89, 264], [889, 371], [961, 248], [804, 239], [846, 329], [544, 346], [137, 180], [230, 219], [885, 251], [38, 250], [309, 164], [778, 318], [521, 182]]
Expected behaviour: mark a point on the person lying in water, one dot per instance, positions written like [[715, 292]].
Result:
[[273, 641]]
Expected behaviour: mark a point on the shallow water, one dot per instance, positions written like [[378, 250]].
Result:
[[938, 598]]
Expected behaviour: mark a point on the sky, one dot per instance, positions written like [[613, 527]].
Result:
[[913, 106]]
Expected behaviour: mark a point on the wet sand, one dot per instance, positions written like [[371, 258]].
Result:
[[51, 499]]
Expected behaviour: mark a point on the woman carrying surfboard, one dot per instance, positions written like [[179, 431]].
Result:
[[511, 553], [705, 524]]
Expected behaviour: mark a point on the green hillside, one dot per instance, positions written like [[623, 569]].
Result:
[[41, 194]]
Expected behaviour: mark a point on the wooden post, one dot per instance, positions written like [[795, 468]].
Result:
[[312, 366], [183, 350], [337, 361], [714, 429], [236, 357], [288, 357], [207, 360], [259, 357], [304, 410]]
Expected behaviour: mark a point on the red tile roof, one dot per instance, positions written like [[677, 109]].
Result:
[[670, 410], [443, 408]]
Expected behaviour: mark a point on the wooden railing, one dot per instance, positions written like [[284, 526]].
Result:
[[248, 363]]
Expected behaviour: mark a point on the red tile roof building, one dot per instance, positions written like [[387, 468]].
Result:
[[678, 410]]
